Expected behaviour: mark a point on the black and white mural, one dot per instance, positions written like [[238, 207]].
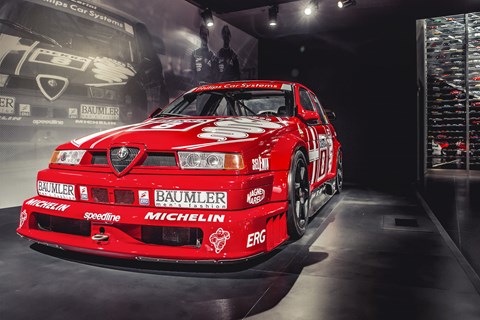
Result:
[[72, 67]]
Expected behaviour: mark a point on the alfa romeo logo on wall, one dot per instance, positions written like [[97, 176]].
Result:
[[122, 153], [51, 86]]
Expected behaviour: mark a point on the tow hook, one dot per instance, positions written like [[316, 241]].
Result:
[[100, 237]]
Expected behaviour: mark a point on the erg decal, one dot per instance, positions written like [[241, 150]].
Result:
[[256, 238]]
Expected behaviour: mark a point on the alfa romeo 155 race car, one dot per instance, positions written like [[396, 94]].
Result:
[[224, 173]]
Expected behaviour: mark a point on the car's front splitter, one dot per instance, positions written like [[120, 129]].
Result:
[[154, 234]]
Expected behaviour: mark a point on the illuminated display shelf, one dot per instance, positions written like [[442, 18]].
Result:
[[452, 75]]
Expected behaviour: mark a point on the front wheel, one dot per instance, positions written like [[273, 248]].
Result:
[[298, 196]]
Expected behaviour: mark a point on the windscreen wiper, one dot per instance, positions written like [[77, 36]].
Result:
[[168, 114], [29, 31]]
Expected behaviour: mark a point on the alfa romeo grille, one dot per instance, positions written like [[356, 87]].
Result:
[[121, 157]]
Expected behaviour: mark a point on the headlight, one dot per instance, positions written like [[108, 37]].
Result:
[[72, 157], [210, 160], [3, 79]]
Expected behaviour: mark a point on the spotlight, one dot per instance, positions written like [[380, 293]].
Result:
[[312, 5], [272, 15], [346, 3], [207, 17]]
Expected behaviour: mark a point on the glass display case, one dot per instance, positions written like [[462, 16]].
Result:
[[452, 79]]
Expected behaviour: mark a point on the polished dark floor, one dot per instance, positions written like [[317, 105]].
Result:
[[368, 254], [455, 200]]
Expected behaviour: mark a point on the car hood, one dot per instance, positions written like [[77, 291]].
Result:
[[222, 134]]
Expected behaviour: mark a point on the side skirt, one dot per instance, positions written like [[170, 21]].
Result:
[[320, 196]]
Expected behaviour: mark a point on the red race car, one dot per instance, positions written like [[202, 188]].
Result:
[[224, 173]]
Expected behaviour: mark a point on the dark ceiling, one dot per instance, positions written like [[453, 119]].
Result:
[[251, 15]]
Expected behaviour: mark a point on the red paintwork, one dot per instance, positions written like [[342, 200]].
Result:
[[244, 222]]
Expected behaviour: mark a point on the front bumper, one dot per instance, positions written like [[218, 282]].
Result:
[[224, 236]]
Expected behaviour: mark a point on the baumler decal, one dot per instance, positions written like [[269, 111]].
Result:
[[47, 205], [191, 199], [219, 239], [191, 217], [56, 190], [256, 238]]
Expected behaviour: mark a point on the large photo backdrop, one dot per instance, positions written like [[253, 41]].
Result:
[[70, 67]]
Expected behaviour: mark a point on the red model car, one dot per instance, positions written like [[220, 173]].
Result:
[[225, 172]]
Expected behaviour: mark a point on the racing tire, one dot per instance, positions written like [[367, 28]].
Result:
[[339, 175], [298, 196]]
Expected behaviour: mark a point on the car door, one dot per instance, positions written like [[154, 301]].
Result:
[[319, 140]]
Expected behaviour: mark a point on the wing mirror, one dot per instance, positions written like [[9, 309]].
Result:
[[309, 117], [331, 115]]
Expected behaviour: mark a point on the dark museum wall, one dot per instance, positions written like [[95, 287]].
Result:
[[367, 76]]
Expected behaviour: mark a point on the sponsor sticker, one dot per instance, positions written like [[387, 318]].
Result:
[[47, 205], [177, 124], [7, 105], [256, 196], [111, 71], [72, 113], [56, 190], [143, 197], [239, 128], [104, 217], [219, 239], [191, 199], [59, 59], [256, 238], [23, 218], [83, 193], [47, 122], [260, 164], [128, 28], [10, 118], [24, 110], [187, 217], [89, 111], [96, 122]]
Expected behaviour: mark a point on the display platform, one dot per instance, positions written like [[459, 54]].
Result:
[[367, 254]]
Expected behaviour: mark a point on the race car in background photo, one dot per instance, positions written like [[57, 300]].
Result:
[[68, 66], [224, 173]]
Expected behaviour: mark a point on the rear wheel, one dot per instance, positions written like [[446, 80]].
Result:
[[298, 194]]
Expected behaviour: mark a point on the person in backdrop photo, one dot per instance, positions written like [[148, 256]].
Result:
[[228, 66], [204, 62]]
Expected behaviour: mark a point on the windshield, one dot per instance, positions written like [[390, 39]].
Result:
[[231, 103], [70, 31]]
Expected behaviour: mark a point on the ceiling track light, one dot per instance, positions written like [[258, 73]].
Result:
[[272, 15], [207, 17], [346, 3], [312, 5]]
